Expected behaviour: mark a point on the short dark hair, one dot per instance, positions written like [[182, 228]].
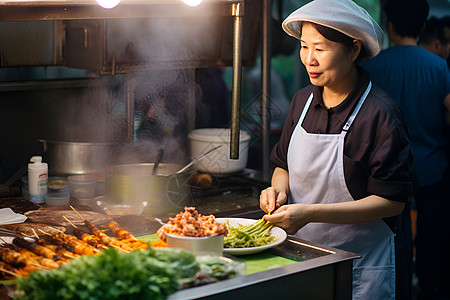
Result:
[[407, 16], [434, 29], [337, 36]]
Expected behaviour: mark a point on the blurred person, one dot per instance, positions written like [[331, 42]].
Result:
[[436, 37], [343, 163], [212, 99], [446, 21], [419, 81]]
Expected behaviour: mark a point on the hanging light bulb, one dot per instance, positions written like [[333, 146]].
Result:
[[192, 2], [108, 4]]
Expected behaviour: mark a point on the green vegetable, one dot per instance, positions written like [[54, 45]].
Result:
[[219, 268], [183, 261], [140, 274], [252, 235], [213, 269]]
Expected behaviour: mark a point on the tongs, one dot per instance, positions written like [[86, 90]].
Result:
[[197, 159], [10, 233]]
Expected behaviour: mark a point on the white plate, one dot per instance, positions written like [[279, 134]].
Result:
[[275, 231]]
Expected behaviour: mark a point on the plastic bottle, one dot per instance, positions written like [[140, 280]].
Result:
[[37, 180]]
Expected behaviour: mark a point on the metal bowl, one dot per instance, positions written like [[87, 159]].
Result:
[[212, 243], [119, 209]]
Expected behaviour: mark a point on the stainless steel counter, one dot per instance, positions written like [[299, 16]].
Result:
[[319, 272]]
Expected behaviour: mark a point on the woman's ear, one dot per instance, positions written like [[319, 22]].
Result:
[[356, 49]]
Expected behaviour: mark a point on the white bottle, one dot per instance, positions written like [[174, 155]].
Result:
[[37, 180]]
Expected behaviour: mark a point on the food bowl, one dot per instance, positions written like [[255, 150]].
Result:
[[212, 243], [82, 186], [58, 184], [218, 162]]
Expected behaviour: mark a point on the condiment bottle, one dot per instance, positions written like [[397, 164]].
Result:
[[37, 180]]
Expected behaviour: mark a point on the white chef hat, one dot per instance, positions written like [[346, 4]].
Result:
[[342, 15]]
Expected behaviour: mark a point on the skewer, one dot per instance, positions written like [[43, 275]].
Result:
[[120, 232], [58, 230], [35, 233], [26, 235], [87, 223], [8, 272], [46, 233], [41, 267], [91, 239], [65, 254], [28, 263], [118, 248], [70, 222], [77, 213]]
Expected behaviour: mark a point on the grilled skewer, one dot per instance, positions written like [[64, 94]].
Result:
[[9, 272], [105, 239], [88, 238], [37, 259], [36, 248], [120, 232], [61, 251], [126, 237], [72, 244], [58, 249], [19, 260]]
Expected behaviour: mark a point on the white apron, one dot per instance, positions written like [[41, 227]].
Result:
[[316, 175]]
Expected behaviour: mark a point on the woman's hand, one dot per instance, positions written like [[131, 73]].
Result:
[[272, 198], [276, 195], [293, 217], [290, 217]]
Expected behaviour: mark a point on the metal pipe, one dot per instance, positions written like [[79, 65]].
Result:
[[237, 12], [129, 110], [265, 99]]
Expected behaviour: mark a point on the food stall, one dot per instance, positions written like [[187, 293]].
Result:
[[82, 35], [297, 267]]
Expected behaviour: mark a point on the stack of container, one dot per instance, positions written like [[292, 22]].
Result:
[[58, 191]]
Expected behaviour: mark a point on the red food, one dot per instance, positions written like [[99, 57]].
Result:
[[191, 223]]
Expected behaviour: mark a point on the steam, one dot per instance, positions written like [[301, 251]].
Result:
[[159, 56]]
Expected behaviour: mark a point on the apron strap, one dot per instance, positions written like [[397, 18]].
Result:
[[305, 109], [357, 108]]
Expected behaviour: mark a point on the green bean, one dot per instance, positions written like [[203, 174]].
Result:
[[251, 235]]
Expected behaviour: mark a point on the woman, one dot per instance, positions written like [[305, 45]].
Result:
[[343, 163]]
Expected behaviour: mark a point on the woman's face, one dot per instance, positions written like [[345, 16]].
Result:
[[328, 63]]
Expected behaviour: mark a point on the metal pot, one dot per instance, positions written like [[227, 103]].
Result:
[[133, 184], [66, 158]]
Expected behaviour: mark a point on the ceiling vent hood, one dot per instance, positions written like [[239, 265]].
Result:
[[29, 10], [136, 34]]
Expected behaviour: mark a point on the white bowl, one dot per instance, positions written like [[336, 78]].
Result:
[[212, 243], [218, 161]]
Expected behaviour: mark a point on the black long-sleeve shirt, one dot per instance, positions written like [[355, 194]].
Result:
[[377, 151]]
